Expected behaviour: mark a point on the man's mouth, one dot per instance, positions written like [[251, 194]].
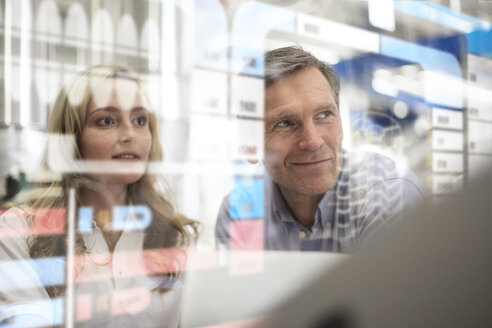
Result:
[[311, 163]]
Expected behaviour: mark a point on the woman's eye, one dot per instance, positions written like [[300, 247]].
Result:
[[107, 121], [141, 121]]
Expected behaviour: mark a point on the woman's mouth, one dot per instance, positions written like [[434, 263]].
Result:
[[126, 157]]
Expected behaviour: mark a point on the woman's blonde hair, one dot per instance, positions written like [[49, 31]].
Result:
[[67, 118]]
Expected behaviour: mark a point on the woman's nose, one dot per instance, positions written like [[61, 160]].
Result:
[[127, 133]]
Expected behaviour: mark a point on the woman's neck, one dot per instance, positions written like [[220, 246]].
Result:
[[102, 199]]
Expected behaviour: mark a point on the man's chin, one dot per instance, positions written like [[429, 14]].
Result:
[[308, 187], [316, 190]]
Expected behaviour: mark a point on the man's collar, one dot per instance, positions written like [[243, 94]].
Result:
[[279, 205]]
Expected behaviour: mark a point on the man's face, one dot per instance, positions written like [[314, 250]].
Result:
[[303, 133]]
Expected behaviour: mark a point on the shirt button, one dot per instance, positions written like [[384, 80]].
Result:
[[328, 225], [302, 235]]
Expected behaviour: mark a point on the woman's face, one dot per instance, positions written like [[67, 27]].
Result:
[[116, 138]]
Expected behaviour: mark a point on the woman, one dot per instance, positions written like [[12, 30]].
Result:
[[102, 135]]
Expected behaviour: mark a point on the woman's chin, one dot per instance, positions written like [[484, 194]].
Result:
[[118, 178]]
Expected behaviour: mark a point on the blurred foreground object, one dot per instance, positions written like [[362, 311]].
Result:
[[433, 270]]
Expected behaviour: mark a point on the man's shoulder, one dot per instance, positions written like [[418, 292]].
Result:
[[371, 168], [376, 164], [369, 159], [247, 198]]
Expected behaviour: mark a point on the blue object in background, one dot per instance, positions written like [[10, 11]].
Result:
[[136, 217], [58, 310], [247, 199], [478, 32], [51, 271], [432, 60], [480, 42], [86, 215]]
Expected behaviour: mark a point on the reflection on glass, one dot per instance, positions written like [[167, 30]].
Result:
[[127, 264], [415, 96], [317, 196], [76, 25], [127, 34]]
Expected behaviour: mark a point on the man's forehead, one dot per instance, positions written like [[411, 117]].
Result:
[[306, 84], [309, 75], [272, 78], [292, 109]]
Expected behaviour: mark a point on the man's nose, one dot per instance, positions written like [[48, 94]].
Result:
[[310, 138]]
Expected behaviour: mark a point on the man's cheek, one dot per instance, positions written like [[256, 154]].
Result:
[[273, 158]]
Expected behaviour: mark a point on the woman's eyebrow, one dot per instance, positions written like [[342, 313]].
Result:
[[104, 109], [138, 109], [115, 109]]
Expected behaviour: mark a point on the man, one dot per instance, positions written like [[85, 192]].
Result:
[[317, 196]]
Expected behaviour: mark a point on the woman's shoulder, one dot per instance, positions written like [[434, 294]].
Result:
[[14, 231], [14, 218]]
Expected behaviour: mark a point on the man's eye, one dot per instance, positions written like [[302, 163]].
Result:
[[107, 121], [283, 124], [324, 114]]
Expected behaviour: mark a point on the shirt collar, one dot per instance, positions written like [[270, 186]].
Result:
[[282, 212], [280, 209], [328, 201]]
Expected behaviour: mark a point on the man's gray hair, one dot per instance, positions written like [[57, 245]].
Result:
[[286, 61]]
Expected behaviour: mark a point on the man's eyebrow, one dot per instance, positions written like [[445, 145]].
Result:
[[279, 116], [331, 106], [285, 114]]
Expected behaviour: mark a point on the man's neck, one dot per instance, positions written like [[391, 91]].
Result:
[[302, 206]]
